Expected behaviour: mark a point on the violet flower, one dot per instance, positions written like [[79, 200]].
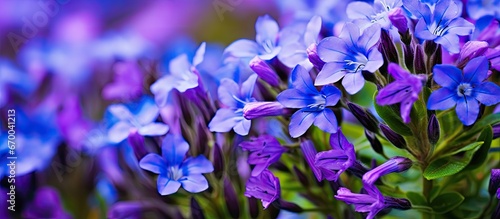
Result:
[[311, 102], [404, 90], [139, 117], [234, 98], [334, 162], [364, 14], [183, 76], [466, 90], [46, 204], [127, 83], [264, 151], [174, 170], [441, 23], [265, 45], [348, 55], [265, 187], [394, 165]]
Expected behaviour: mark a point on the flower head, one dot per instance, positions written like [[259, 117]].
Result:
[[264, 150], [311, 102], [348, 55], [294, 41], [465, 90], [405, 90], [334, 162], [365, 14], [174, 170], [265, 187], [372, 202]]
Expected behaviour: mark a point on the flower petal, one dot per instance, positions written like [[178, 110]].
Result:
[[488, 93], [353, 82], [467, 110], [293, 98], [248, 86], [326, 121], [393, 93], [119, 132], [313, 29], [242, 126], [447, 75], [300, 122], [174, 149], [242, 48], [476, 70], [332, 94], [153, 163], [350, 34], [197, 165], [199, 55], [450, 42], [167, 186], [154, 129], [332, 49], [223, 121], [267, 29], [301, 80], [194, 183], [228, 89], [442, 99], [161, 89], [331, 73], [370, 37]]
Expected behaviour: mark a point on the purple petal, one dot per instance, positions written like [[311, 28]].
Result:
[[242, 48], [467, 110], [442, 99], [326, 121], [199, 55], [359, 10], [487, 93], [460, 26], [476, 70], [393, 93], [300, 122], [405, 108], [153, 129], [353, 82], [339, 142], [223, 121], [293, 98], [418, 9], [121, 112], [313, 29], [422, 31], [174, 149], [161, 89], [397, 72], [375, 61], [332, 95], [167, 186], [331, 73], [153, 163], [309, 152], [447, 75], [119, 132], [350, 34], [267, 29], [446, 10], [194, 183], [301, 80], [370, 37], [293, 54], [450, 42]]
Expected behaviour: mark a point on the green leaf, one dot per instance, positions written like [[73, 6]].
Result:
[[416, 198], [452, 164], [447, 202], [479, 126], [392, 118], [481, 154]]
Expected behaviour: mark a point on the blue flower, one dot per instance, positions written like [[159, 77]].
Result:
[[174, 170], [140, 116], [311, 102], [348, 55], [465, 90], [479, 8], [233, 98], [442, 24], [265, 44], [365, 14], [183, 76]]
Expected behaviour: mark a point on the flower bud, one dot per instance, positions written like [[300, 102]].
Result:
[[289, 206], [264, 71], [496, 131], [218, 161], [494, 181], [394, 165], [374, 142], [408, 55], [388, 47], [253, 207], [196, 210], [399, 20], [433, 130], [137, 142], [397, 203], [430, 47], [312, 54], [393, 137], [231, 199], [366, 119], [126, 209], [470, 50], [418, 60], [301, 176], [254, 110]]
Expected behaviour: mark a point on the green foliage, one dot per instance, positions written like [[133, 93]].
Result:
[[446, 202]]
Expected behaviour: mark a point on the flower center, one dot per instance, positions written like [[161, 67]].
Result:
[[318, 104], [464, 90], [175, 173]]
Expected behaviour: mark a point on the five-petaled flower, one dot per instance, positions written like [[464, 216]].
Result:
[[265, 187], [334, 162], [465, 90], [311, 102], [174, 170], [264, 150]]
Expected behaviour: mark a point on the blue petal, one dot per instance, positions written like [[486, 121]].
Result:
[[167, 186], [148, 112], [293, 98], [422, 31], [375, 61], [370, 37], [199, 55], [313, 29], [326, 121], [119, 132], [153, 163], [332, 94], [442, 99], [418, 9], [467, 110], [174, 149], [353, 82], [447, 75], [293, 53], [121, 112], [300, 122], [476, 70], [446, 10], [197, 165], [350, 34], [223, 121], [460, 26], [488, 93], [301, 80], [248, 86], [242, 48], [332, 49], [242, 126], [450, 42], [227, 91], [359, 10], [154, 129], [161, 89], [267, 30], [331, 73], [194, 183]]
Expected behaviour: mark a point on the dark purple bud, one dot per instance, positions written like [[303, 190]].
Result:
[[137, 142], [470, 50], [231, 199], [127, 209], [397, 203], [394, 165], [399, 20], [408, 55], [364, 116], [218, 161], [433, 130], [312, 54], [374, 142], [430, 47], [289, 206], [254, 110], [253, 207], [418, 60], [496, 131], [301, 176], [494, 181], [388, 47], [437, 57], [393, 137], [264, 71], [196, 210]]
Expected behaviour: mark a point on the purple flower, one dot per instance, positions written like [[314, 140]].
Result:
[[183, 76], [46, 204], [264, 151], [265, 44], [399, 20], [494, 184], [309, 152], [372, 202], [348, 55], [405, 90], [465, 90], [234, 100], [393, 165], [264, 71], [139, 117], [334, 162], [311, 102], [127, 84], [470, 50], [254, 110], [265, 187], [364, 14], [294, 41], [442, 24], [174, 170]]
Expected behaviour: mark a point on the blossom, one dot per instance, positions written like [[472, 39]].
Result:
[[264, 150], [234, 98], [183, 76], [442, 24], [364, 14], [265, 187], [404, 90], [265, 45], [478, 8], [140, 116], [334, 162], [311, 102], [46, 204], [255, 110], [348, 55], [174, 170], [394, 165], [127, 83], [465, 90]]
